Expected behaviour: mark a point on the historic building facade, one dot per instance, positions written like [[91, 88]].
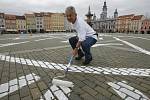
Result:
[[10, 23], [104, 24], [21, 23], [2, 22], [145, 28]]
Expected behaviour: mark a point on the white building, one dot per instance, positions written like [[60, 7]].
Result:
[[2, 22], [104, 24], [39, 20]]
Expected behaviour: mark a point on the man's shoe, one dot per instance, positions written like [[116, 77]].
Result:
[[86, 62], [78, 58]]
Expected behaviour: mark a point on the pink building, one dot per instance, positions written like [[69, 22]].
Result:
[[145, 27]]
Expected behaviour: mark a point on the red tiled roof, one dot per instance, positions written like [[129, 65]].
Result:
[[10, 17]]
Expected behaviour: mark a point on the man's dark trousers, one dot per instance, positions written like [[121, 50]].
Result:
[[86, 46]]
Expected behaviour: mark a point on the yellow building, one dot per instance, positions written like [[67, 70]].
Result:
[[10, 23], [30, 22], [47, 22], [57, 22], [21, 24]]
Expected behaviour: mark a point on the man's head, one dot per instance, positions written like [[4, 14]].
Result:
[[71, 14]]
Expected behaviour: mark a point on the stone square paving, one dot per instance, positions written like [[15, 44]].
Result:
[[120, 69]]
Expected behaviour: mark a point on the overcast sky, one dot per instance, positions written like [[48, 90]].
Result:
[[124, 6]]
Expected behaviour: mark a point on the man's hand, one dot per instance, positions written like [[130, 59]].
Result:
[[75, 52]]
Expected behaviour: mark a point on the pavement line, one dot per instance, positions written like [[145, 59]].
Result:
[[83, 69], [12, 85], [65, 41], [10, 44], [43, 39], [125, 49], [101, 39], [127, 92], [97, 45], [125, 36], [134, 46]]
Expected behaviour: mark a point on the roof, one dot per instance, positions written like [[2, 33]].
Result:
[[126, 16], [138, 17], [38, 14], [10, 17], [20, 17]]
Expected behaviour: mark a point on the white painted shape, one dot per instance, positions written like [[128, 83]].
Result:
[[65, 89], [65, 41], [28, 62], [48, 95], [17, 60], [106, 70], [144, 97], [129, 98], [30, 81], [113, 85], [29, 77], [54, 88], [10, 44], [134, 46], [58, 67], [4, 87], [126, 90], [13, 82], [60, 95], [22, 77], [13, 88], [22, 83], [35, 63], [43, 39], [125, 85], [42, 64], [101, 39], [97, 45]]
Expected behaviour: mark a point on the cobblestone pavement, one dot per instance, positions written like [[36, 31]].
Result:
[[120, 69]]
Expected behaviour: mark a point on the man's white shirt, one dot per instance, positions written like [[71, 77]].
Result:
[[83, 29]]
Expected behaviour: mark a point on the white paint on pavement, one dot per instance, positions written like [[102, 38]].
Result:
[[43, 39], [65, 41], [10, 44], [101, 38], [74, 68], [134, 46], [60, 93], [13, 85], [97, 45], [125, 91]]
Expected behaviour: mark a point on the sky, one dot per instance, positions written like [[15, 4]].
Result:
[[124, 7]]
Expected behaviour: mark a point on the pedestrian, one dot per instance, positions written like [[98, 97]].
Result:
[[86, 36]]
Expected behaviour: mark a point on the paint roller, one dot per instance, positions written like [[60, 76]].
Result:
[[56, 81]]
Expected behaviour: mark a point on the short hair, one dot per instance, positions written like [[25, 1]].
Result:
[[70, 9]]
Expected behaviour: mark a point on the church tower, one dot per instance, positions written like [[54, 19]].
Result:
[[104, 12], [89, 17], [116, 14]]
